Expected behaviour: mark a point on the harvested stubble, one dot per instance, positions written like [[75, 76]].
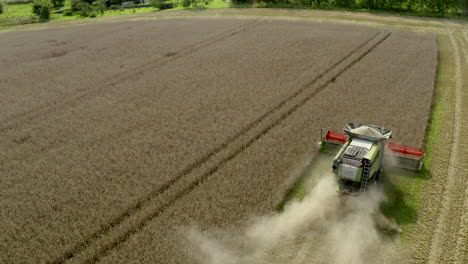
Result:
[[96, 120], [391, 86]]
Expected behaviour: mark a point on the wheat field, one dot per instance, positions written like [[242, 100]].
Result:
[[115, 136]]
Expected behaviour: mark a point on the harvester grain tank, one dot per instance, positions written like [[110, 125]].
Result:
[[360, 157]]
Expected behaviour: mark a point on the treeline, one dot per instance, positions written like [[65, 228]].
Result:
[[412, 6]]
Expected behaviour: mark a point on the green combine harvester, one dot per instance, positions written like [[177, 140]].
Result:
[[361, 153]]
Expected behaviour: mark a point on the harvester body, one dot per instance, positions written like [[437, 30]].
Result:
[[359, 160]]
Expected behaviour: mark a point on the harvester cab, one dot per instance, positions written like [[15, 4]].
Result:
[[360, 157]]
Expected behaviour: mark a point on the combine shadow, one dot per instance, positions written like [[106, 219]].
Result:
[[397, 207]]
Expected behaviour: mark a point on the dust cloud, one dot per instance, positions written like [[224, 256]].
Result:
[[390, 161], [324, 227]]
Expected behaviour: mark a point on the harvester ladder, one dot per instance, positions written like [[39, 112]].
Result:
[[365, 174]]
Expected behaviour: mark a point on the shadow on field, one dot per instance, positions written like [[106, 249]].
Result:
[[402, 189], [396, 207]]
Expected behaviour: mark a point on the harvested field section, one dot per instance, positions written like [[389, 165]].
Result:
[[254, 181], [72, 172]]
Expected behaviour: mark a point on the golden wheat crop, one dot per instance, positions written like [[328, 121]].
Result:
[[115, 135]]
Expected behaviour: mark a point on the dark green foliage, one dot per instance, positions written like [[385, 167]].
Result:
[[74, 4], [161, 4], [186, 3], [57, 4], [38, 6], [243, 2], [45, 12], [68, 13], [345, 3], [12, 2], [77, 6], [2, 4], [93, 14], [157, 3], [99, 6], [166, 6], [414, 6], [463, 5], [441, 6], [84, 8]]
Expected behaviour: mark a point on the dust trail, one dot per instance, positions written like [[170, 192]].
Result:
[[322, 228]]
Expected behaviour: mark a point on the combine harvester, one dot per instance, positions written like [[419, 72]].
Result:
[[360, 158]]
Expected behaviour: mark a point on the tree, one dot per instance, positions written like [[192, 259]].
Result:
[[157, 3], [344, 3], [186, 3], [84, 8], [99, 6], [45, 12], [2, 4], [464, 6], [74, 4], [441, 6], [240, 2], [38, 6], [57, 4]]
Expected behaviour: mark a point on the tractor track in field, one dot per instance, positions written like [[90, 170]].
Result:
[[450, 216], [87, 252], [67, 101]]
